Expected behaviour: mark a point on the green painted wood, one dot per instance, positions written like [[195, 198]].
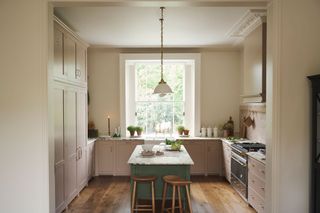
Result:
[[144, 190]]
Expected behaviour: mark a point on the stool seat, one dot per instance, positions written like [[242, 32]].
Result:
[[179, 182], [144, 178], [176, 182], [170, 177]]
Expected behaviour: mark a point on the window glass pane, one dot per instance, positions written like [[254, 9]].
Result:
[[155, 113], [155, 116], [178, 115]]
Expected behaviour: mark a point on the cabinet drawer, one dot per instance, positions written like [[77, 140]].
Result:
[[257, 168], [255, 201], [257, 184]]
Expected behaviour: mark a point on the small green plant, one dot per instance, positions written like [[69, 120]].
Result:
[[131, 129], [180, 129], [139, 130]]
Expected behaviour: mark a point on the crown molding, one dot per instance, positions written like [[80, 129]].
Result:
[[249, 22]]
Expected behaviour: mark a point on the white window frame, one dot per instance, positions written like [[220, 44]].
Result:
[[127, 95]]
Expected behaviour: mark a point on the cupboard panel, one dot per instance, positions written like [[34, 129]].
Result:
[[105, 157], [69, 57], [82, 172], [196, 150], [81, 60], [214, 157], [58, 52]]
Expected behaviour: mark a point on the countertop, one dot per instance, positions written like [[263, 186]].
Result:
[[91, 140], [155, 139], [181, 157], [258, 156]]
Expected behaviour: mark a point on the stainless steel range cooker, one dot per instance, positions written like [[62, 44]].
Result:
[[239, 168]]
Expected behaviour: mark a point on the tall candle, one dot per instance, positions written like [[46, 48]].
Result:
[[109, 133]]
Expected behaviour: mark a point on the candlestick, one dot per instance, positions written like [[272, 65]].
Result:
[[109, 133]]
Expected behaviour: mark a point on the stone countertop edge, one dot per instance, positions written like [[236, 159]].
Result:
[[226, 141], [91, 140], [151, 139], [258, 156], [169, 158]]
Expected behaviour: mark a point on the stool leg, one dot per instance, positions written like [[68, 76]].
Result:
[[173, 197], [188, 199], [164, 195], [153, 200], [133, 196], [179, 199]]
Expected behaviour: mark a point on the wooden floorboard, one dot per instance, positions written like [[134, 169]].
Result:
[[106, 194]]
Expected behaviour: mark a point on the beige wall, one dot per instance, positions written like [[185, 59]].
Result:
[[252, 63], [23, 97], [298, 47], [220, 86]]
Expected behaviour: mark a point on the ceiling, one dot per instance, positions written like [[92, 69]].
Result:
[[140, 26]]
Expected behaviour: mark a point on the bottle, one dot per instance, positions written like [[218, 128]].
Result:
[[215, 132], [203, 132], [231, 125], [209, 131]]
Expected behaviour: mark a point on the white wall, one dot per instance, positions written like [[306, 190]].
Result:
[[23, 100], [220, 86], [296, 41]]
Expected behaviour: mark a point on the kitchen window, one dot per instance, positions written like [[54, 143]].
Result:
[[159, 116]]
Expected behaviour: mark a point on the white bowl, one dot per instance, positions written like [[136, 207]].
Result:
[[147, 147]]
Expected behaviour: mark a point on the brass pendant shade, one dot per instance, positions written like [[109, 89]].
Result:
[[162, 88]]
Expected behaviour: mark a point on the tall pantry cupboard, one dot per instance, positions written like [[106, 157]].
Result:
[[70, 115]]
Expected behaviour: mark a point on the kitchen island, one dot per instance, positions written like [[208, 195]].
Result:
[[170, 163]]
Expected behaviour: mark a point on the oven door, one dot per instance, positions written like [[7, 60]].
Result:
[[239, 174]]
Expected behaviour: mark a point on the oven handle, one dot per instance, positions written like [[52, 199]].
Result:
[[242, 164]]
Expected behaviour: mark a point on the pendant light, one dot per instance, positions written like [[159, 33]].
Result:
[[162, 88]]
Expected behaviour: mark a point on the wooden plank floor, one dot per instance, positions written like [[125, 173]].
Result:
[[108, 194]]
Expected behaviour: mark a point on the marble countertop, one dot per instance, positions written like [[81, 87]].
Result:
[[155, 138], [258, 156], [91, 140], [168, 158]]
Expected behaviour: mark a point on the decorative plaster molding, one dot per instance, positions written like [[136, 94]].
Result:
[[250, 21]]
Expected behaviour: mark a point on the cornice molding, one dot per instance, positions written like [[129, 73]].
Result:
[[249, 22]]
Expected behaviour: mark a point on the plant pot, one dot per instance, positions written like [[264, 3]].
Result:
[[180, 132], [186, 132], [139, 133], [131, 133], [227, 133]]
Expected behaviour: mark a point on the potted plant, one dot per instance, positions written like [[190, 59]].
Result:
[[131, 129], [186, 131], [180, 129], [139, 130]]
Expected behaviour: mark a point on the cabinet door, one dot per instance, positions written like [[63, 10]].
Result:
[[123, 153], [69, 57], [90, 159], [70, 145], [105, 157], [82, 170], [196, 150], [58, 149], [81, 69], [214, 161], [227, 160], [58, 52]]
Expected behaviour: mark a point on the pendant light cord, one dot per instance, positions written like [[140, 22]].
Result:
[[161, 49]]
